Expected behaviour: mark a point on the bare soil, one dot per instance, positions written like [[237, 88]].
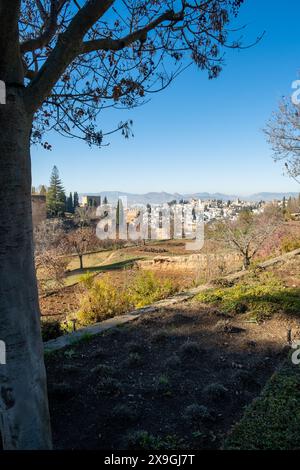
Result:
[[156, 368]]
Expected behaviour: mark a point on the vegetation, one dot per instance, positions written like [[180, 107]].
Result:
[[56, 197], [148, 288], [249, 232], [272, 421], [261, 298], [103, 300], [290, 244]]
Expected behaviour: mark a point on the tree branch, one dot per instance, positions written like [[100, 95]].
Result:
[[108, 44], [50, 24], [68, 47]]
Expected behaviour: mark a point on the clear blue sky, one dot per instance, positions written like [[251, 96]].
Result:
[[198, 135]]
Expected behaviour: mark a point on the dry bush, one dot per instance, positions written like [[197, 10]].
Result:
[[51, 267]]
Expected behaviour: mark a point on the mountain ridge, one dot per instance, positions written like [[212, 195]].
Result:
[[155, 197]]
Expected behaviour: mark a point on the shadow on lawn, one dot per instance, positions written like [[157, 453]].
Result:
[[126, 264]]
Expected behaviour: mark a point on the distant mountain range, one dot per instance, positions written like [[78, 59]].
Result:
[[162, 197]]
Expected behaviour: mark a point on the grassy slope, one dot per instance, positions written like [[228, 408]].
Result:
[[272, 421]]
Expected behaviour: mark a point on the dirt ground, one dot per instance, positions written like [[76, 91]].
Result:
[[182, 375]]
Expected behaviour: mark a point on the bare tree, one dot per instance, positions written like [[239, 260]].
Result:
[[249, 232], [50, 259], [63, 62], [283, 134], [80, 241]]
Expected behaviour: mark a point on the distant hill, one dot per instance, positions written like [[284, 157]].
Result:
[[270, 196], [162, 197]]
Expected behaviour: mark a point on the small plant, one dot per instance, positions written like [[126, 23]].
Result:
[[163, 384], [196, 413], [124, 413], [70, 353], [134, 360], [215, 391], [108, 386], [103, 370]]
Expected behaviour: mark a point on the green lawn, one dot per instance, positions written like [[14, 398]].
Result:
[[98, 262]]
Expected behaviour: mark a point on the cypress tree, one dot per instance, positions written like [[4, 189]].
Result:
[[70, 207], [75, 200]]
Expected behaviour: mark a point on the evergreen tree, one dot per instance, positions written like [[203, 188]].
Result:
[[284, 205], [75, 200], [43, 190], [105, 200], [70, 207], [56, 198]]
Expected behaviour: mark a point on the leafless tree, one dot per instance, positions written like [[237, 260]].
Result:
[[63, 62], [283, 134], [249, 232], [80, 241]]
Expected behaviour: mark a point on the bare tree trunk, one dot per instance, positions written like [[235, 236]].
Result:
[[81, 261], [246, 262], [24, 416]]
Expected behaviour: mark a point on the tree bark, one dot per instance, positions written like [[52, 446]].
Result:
[[246, 262], [81, 262], [24, 416]]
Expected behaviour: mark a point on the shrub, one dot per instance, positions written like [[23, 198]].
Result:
[[87, 280], [215, 391], [108, 386], [134, 360], [290, 244], [163, 384], [261, 298], [103, 370], [103, 300], [196, 412], [51, 329], [148, 288]]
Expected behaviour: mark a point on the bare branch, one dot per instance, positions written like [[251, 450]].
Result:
[[66, 50], [139, 35]]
